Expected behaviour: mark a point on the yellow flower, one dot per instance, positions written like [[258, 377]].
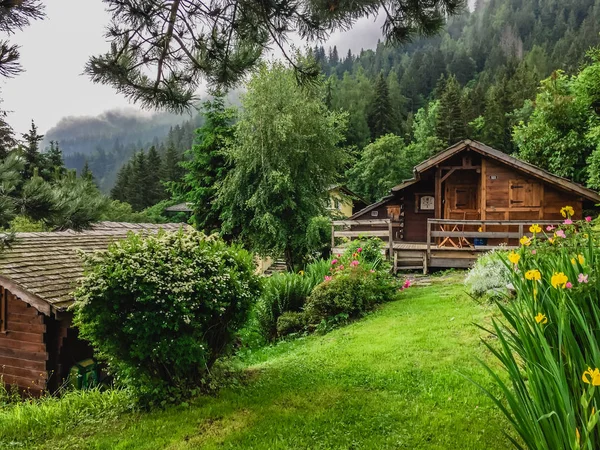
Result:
[[301, 272], [525, 241], [559, 280], [581, 259], [533, 275], [572, 260], [567, 211], [577, 435], [514, 257], [541, 318], [551, 240], [480, 229], [535, 228], [591, 376], [535, 293]]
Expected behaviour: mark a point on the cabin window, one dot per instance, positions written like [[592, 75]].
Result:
[[525, 194], [424, 203], [3, 309], [374, 213], [393, 212], [465, 197]]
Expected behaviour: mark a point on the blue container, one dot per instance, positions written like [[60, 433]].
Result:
[[480, 241]]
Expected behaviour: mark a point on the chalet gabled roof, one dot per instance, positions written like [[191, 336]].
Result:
[[492, 153], [42, 269]]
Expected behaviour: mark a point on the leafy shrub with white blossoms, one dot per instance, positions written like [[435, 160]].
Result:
[[161, 309]]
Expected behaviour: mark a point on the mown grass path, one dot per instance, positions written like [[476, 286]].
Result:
[[393, 380]]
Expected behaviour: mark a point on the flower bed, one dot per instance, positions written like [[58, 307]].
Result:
[[549, 338]]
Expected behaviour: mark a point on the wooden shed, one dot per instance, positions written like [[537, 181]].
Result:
[[38, 273], [466, 199]]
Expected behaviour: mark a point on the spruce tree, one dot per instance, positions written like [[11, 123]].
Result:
[[122, 189], [451, 126], [31, 150], [86, 173], [52, 162], [207, 165], [381, 114], [171, 169], [154, 190]]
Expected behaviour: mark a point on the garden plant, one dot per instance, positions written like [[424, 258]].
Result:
[[548, 338]]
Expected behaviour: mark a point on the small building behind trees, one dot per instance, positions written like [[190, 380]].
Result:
[[38, 274]]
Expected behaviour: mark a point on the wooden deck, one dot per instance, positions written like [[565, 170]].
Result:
[[450, 243]]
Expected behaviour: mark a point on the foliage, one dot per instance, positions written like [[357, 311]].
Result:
[[556, 137], [318, 237], [290, 322], [363, 386], [548, 340], [206, 166], [24, 224], [163, 39], [285, 157], [183, 285], [489, 276], [350, 292], [380, 116], [382, 165], [370, 250]]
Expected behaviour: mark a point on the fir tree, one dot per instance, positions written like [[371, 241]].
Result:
[[31, 151], [86, 173], [381, 115], [451, 127], [207, 166], [154, 189], [171, 170]]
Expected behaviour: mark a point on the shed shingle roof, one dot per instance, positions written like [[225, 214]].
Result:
[[43, 268]]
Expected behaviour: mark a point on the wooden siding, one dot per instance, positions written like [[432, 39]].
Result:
[[23, 353]]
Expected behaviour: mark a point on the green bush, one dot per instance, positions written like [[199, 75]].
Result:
[[489, 276], [350, 293], [290, 322], [282, 292], [370, 250], [161, 309]]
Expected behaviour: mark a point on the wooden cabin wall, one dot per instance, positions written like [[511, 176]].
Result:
[[415, 222], [545, 204], [22, 350]]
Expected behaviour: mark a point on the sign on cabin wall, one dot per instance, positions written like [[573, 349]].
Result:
[[427, 203]]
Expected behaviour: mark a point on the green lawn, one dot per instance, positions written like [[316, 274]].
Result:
[[391, 380]]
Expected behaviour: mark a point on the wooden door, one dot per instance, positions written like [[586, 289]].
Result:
[[524, 194]]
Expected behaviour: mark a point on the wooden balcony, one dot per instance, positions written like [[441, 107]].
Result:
[[450, 243]]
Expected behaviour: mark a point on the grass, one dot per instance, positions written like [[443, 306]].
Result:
[[392, 380]]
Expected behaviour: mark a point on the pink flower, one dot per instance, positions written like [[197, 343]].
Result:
[[354, 263], [406, 284], [359, 249], [550, 227], [372, 271], [534, 251], [334, 262], [328, 278], [560, 233], [341, 267], [568, 222], [339, 256], [582, 278], [569, 285], [588, 219]]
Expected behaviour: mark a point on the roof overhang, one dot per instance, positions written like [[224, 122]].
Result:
[[560, 182], [31, 299]]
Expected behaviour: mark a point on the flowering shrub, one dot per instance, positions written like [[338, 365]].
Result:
[[370, 250], [161, 309], [489, 276], [549, 338]]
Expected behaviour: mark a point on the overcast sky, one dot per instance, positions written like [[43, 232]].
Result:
[[54, 52]]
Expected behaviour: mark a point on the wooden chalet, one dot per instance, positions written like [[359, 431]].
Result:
[[466, 199], [38, 273]]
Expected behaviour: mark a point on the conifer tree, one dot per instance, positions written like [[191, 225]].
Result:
[[53, 165], [171, 170], [86, 173], [31, 150], [122, 189], [154, 189], [381, 115], [207, 165], [451, 126]]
